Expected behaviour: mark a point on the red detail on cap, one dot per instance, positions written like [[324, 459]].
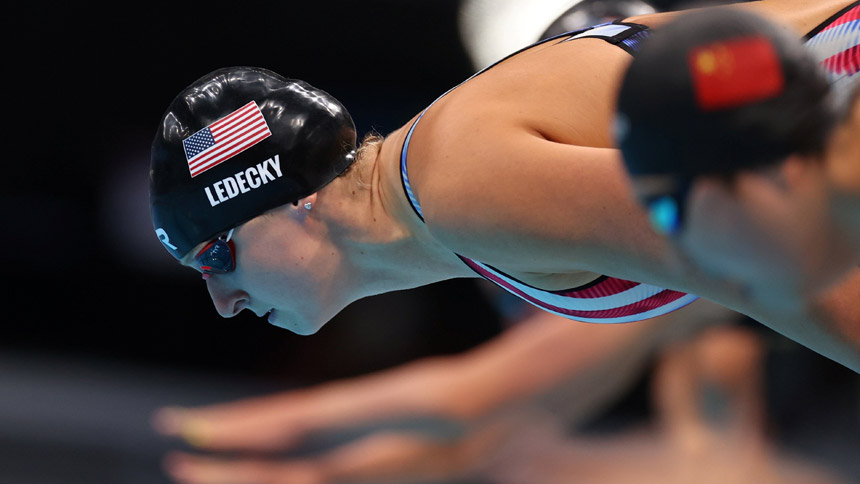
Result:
[[735, 72]]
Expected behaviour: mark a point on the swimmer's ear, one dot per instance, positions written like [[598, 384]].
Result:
[[306, 203], [777, 175], [785, 175], [726, 182], [798, 170]]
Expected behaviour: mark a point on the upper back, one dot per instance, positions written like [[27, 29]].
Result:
[[565, 91], [473, 159]]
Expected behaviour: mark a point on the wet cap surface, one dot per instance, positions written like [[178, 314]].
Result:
[[716, 91], [236, 143]]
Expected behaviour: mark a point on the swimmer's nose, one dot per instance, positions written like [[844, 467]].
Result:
[[228, 302]]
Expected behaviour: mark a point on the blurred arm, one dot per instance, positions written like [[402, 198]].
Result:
[[549, 359], [531, 357]]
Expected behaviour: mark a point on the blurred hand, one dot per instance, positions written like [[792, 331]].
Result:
[[382, 457], [683, 444], [457, 400], [279, 422], [263, 423]]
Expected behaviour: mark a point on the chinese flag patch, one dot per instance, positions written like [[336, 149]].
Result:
[[735, 72]]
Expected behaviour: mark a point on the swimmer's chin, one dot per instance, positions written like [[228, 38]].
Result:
[[299, 329]]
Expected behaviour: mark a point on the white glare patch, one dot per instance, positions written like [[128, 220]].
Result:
[[620, 127]]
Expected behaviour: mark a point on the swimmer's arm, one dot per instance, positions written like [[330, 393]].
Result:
[[524, 203], [545, 351], [528, 204], [837, 310], [546, 357], [827, 323], [541, 354]]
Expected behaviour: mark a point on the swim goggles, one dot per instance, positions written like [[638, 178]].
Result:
[[217, 257], [666, 211]]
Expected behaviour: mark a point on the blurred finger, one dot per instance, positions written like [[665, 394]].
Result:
[[393, 458], [405, 457], [267, 423], [191, 469]]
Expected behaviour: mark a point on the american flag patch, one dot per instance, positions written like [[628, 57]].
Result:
[[225, 138]]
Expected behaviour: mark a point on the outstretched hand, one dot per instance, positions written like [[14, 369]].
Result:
[[281, 421], [433, 419], [388, 457], [391, 455]]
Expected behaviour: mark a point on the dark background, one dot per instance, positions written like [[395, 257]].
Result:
[[86, 273], [100, 325]]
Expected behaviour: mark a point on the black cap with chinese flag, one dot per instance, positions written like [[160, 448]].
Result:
[[719, 90]]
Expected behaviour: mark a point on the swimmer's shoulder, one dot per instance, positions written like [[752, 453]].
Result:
[[496, 192], [562, 91], [519, 160], [559, 93]]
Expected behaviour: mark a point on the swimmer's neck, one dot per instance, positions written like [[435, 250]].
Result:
[[370, 219], [391, 200]]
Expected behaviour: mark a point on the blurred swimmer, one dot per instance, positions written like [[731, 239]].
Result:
[[726, 125]]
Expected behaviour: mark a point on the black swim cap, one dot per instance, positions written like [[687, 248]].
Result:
[[720, 90], [238, 142]]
